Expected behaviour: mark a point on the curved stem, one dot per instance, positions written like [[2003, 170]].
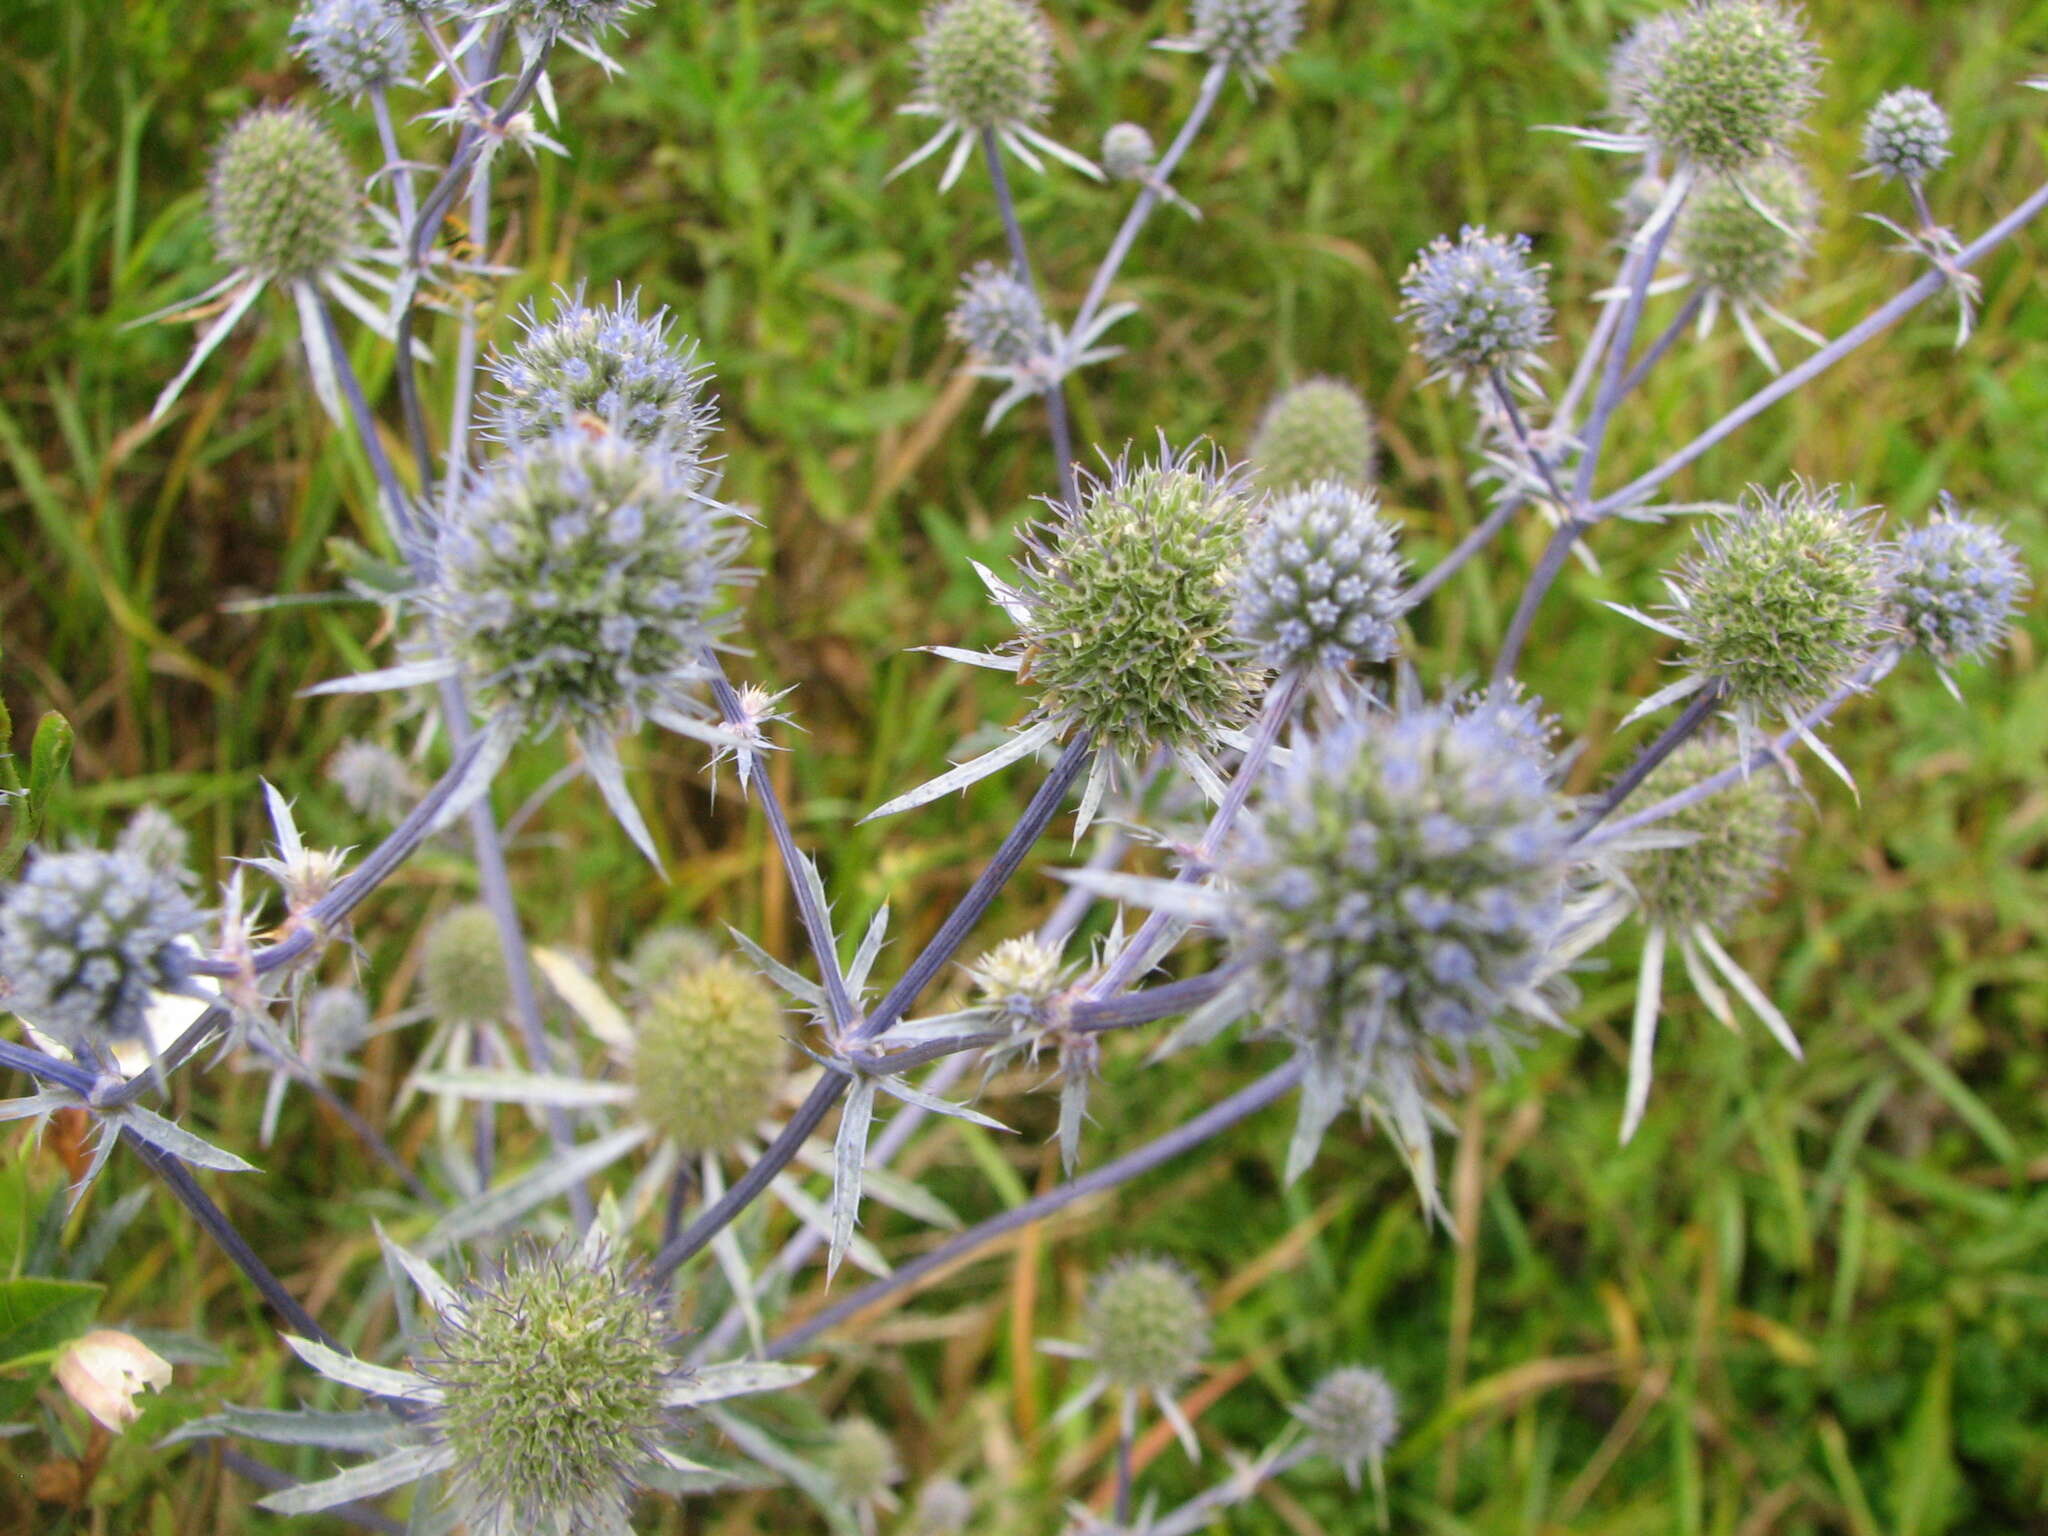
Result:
[[1210, 1123], [1654, 353]]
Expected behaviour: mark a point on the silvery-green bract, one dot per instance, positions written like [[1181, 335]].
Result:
[[86, 941], [607, 362], [283, 196], [353, 45], [1323, 582]]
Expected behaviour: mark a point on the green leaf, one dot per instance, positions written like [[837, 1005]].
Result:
[[37, 1318]]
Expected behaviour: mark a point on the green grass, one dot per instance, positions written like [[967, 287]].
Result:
[[1809, 1298]]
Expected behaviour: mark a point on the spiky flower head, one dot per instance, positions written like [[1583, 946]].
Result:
[[708, 1055], [1146, 1324], [661, 953], [1729, 85], [353, 45], [1740, 835], [86, 941], [154, 836], [604, 361], [1352, 1417], [997, 317], [1477, 307], [1319, 429], [985, 63], [462, 967], [575, 18], [1400, 885], [1247, 35], [1129, 605], [333, 1022], [1744, 237], [1324, 581], [1906, 136], [1633, 68], [1956, 584], [580, 581], [862, 1461], [1018, 979], [944, 1506], [1783, 597], [284, 198], [554, 1374], [1127, 151], [374, 781]]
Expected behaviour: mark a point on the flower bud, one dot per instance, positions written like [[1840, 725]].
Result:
[[1323, 584], [353, 45], [1146, 1325], [1352, 1417], [708, 1055], [462, 971], [375, 782], [608, 363], [1477, 307], [1906, 136], [1956, 584], [997, 317], [1251, 35], [1127, 151], [1730, 247], [1017, 979], [284, 198], [862, 1461], [985, 63], [1320, 429], [1729, 85], [1740, 836]]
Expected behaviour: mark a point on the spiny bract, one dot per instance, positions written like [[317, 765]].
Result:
[[1740, 835], [1352, 1417], [1906, 136], [1477, 306], [1319, 429], [708, 1055], [579, 582], [1956, 584], [997, 317], [985, 63], [353, 45], [1400, 883], [1729, 247], [554, 1373], [1323, 583], [1728, 85], [1130, 606], [87, 939], [630, 373], [1146, 1325], [283, 195], [1783, 597]]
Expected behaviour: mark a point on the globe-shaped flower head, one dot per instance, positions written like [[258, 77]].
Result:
[[579, 584], [1743, 238], [1128, 630], [576, 19], [1353, 1417], [708, 1055], [462, 967], [353, 45], [1146, 1325], [1737, 841], [1323, 584], [285, 206], [1633, 67], [1956, 583], [1782, 599], [86, 941], [1906, 136], [1247, 35], [630, 373], [1728, 85], [986, 67], [1396, 894], [1478, 306], [1127, 151], [862, 1463], [1319, 429], [997, 317]]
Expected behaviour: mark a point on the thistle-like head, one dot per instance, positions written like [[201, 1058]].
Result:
[[605, 361], [1728, 85], [1324, 583], [1247, 35], [1956, 584], [997, 317], [1739, 838], [575, 18], [1478, 306], [353, 45], [581, 579], [862, 1462], [1017, 980], [86, 941], [1353, 1417], [1319, 429], [1744, 237], [1127, 151], [462, 967], [1130, 603], [708, 1054], [1906, 136], [1146, 1324], [284, 197], [1783, 597], [985, 63]]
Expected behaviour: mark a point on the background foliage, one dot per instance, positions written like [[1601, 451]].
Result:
[[1807, 1298]]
